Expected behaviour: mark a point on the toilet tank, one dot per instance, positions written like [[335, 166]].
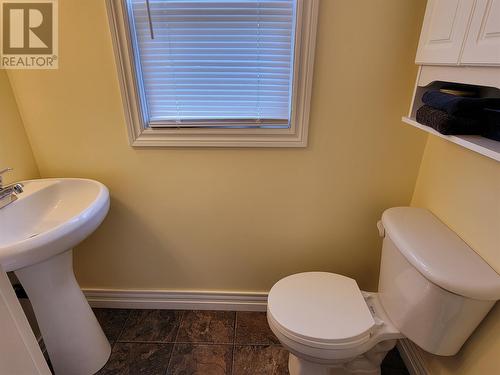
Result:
[[433, 286]]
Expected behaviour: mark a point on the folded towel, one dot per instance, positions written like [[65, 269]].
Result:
[[448, 124], [492, 124], [460, 106]]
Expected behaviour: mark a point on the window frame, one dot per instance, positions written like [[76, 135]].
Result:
[[142, 135]]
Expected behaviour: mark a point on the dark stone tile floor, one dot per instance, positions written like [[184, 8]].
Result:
[[168, 342]]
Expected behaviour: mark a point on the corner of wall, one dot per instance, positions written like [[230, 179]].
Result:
[[419, 171], [22, 122]]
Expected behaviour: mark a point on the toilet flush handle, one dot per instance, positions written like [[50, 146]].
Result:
[[381, 230]]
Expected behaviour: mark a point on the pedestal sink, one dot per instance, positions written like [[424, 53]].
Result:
[[37, 234]]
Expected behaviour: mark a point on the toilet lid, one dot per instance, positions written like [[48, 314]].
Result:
[[320, 309]]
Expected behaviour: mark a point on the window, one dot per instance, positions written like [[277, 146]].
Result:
[[230, 73]]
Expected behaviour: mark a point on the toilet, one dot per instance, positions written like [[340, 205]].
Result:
[[433, 289]]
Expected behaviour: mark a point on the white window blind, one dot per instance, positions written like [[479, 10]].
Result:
[[225, 63]]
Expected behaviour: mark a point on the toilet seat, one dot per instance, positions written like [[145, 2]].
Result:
[[320, 309]]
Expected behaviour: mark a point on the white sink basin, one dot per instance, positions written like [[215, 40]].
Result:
[[49, 217], [37, 234]]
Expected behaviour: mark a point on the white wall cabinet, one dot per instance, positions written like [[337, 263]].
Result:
[[460, 32], [482, 45], [443, 32], [460, 44]]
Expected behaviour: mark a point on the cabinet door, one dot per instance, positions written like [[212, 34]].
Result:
[[482, 46], [443, 31]]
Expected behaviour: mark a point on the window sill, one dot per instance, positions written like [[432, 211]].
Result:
[[218, 138]]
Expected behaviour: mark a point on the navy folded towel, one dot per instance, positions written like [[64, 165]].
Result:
[[457, 105], [448, 124], [492, 124]]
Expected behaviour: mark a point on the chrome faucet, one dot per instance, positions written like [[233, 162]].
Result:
[[8, 194]]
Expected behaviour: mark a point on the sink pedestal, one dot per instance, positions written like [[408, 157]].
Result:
[[74, 339]]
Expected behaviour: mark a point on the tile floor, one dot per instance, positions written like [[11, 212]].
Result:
[[165, 342]]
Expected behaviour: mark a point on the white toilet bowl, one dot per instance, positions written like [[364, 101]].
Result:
[[329, 325]]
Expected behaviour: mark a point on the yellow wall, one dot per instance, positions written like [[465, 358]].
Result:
[[15, 150], [236, 219], [462, 188]]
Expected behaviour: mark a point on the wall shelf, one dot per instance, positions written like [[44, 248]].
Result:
[[484, 146]]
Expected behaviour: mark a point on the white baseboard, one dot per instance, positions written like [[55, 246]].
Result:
[[181, 300], [411, 355]]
